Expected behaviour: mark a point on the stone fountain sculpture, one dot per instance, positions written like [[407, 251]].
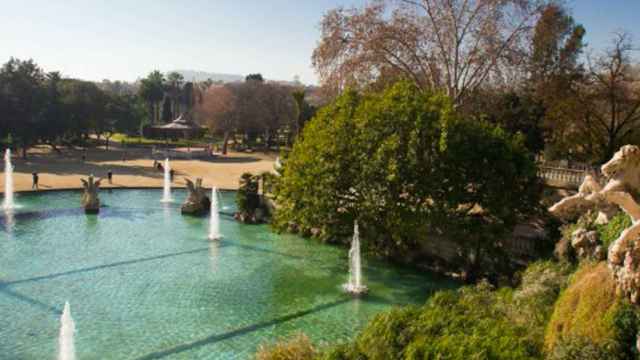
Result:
[[197, 203], [90, 200], [622, 190]]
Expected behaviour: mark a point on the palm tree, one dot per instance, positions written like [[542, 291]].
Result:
[[152, 91], [174, 85]]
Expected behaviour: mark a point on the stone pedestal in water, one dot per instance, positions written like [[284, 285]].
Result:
[[90, 200], [197, 203]]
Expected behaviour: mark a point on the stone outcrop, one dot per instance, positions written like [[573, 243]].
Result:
[[90, 200], [197, 203], [623, 184], [586, 245]]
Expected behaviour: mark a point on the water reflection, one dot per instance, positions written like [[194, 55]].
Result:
[[9, 222], [214, 253]]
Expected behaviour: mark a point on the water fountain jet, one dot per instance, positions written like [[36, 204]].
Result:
[[214, 220], [66, 347], [354, 286], [166, 193], [8, 203]]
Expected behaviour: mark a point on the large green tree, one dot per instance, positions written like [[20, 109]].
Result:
[[152, 91], [404, 165], [21, 87]]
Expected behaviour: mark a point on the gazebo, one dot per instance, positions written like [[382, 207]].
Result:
[[182, 127]]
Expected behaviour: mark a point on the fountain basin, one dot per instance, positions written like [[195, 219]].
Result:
[[145, 282]]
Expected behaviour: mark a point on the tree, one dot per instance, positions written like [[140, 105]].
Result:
[[556, 45], [601, 111], [517, 112], [277, 110], [304, 110], [254, 77], [21, 85], [152, 91], [53, 127], [174, 87], [218, 108], [85, 108], [167, 115], [406, 167], [453, 46]]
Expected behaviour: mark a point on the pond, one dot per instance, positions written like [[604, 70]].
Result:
[[144, 282]]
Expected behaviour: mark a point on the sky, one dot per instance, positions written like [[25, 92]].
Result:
[[125, 39]]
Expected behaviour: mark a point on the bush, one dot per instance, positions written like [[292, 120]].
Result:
[[580, 348], [608, 233], [297, 348], [586, 309], [470, 323], [534, 299], [404, 165], [247, 198]]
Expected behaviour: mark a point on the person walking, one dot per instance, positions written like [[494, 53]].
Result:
[[171, 173], [110, 177], [34, 176]]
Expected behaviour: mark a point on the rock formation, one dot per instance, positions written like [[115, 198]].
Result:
[[586, 245], [90, 200], [197, 203], [622, 173]]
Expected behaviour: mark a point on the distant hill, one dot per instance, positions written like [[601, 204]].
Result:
[[191, 75]]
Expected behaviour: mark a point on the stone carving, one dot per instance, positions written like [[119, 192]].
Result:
[[623, 174], [586, 244], [90, 200], [197, 203]]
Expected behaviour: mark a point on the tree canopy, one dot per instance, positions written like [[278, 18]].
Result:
[[404, 165]]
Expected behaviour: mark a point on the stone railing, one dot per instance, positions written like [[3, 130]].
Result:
[[561, 177]]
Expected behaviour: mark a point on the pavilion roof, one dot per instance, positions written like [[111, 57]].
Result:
[[183, 122]]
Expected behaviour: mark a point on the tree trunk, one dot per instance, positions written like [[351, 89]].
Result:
[[225, 143], [152, 114]]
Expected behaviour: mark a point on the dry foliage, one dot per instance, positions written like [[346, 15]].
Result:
[[454, 46]]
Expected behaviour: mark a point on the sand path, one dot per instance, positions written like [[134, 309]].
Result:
[[63, 171]]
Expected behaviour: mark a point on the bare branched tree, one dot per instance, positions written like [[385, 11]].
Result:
[[603, 111], [449, 45]]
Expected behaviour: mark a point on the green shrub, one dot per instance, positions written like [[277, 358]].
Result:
[[534, 299], [470, 323], [297, 348], [404, 164], [581, 348], [586, 308], [247, 199], [609, 232]]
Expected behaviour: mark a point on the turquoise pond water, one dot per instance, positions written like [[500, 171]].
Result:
[[144, 282]]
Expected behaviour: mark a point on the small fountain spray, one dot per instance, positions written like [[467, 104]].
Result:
[[66, 347], [355, 286], [166, 194], [8, 203], [214, 221]]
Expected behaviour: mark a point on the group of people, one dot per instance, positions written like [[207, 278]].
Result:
[[158, 166]]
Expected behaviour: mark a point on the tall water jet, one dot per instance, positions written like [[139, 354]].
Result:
[[66, 347], [166, 194], [214, 220], [8, 204], [355, 286]]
